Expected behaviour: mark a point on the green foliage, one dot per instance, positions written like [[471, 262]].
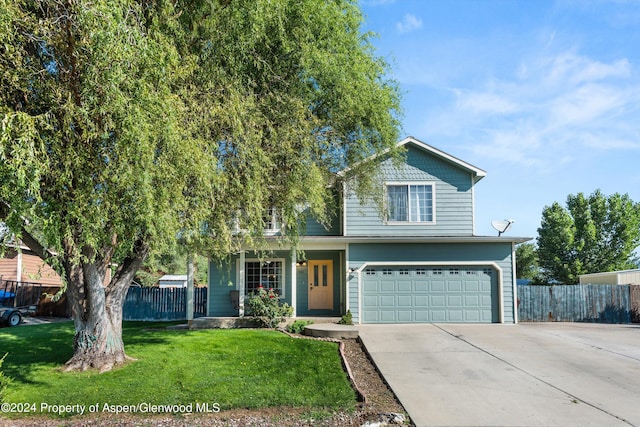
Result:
[[128, 127], [347, 318], [526, 261], [266, 307], [4, 381], [593, 234], [235, 368], [298, 326], [126, 124]]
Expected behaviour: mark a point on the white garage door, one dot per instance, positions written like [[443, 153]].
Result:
[[418, 294]]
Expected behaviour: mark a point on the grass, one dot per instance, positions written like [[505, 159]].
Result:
[[229, 368]]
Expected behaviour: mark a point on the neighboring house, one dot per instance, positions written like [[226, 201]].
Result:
[[420, 261], [622, 277], [173, 281], [24, 265]]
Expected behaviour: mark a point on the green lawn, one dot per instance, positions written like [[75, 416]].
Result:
[[229, 368]]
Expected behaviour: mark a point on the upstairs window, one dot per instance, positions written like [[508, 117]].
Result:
[[410, 202], [272, 221]]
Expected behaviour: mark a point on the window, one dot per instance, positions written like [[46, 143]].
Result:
[[272, 221], [370, 271], [410, 202], [269, 274], [421, 272]]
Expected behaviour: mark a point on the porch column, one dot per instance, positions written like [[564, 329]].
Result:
[[240, 285], [190, 288], [294, 281]]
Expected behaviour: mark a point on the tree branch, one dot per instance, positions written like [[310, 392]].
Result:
[[26, 237]]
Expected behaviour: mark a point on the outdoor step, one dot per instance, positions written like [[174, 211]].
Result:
[[331, 330]]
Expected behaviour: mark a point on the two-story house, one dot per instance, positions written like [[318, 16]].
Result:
[[420, 261]]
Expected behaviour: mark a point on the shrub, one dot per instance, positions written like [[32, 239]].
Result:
[[297, 327], [4, 381], [347, 319], [265, 306]]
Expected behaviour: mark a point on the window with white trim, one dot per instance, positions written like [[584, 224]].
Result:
[[272, 221], [269, 274], [410, 202]]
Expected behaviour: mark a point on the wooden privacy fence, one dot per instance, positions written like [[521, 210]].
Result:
[[163, 303], [579, 303]]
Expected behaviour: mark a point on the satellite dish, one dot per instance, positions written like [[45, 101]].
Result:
[[502, 226]]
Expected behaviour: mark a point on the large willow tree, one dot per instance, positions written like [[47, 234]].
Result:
[[129, 124]]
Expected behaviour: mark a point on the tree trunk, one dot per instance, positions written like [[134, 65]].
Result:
[[97, 312]]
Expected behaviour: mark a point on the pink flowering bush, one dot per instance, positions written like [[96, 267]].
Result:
[[265, 306]]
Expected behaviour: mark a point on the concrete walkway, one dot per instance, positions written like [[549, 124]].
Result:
[[543, 374]]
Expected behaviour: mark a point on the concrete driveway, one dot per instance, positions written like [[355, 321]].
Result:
[[530, 374]]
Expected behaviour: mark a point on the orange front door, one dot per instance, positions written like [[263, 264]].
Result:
[[321, 285]]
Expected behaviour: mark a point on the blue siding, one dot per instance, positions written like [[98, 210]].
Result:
[[334, 228], [500, 253], [314, 228], [453, 200], [222, 280]]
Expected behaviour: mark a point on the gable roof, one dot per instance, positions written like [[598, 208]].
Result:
[[477, 173]]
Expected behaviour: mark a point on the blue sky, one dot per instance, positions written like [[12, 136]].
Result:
[[543, 95]]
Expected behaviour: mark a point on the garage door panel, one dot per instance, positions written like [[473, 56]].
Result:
[[420, 286], [403, 286], [405, 316], [387, 316], [438, 316], [421, 316], [454, 300], [454, 286], [387, 301], [437, 286], [472, 316], [429, 294], [438, 301], [370, 301], [370, 286], [472, 301], [388, 286], [421, 301], [455, 315], [472, 286], [405, 301]]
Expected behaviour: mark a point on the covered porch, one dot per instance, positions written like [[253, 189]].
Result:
[[312, 280]]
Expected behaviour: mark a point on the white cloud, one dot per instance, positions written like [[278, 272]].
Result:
[[485, 102], [409, 23], [553, 110]]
